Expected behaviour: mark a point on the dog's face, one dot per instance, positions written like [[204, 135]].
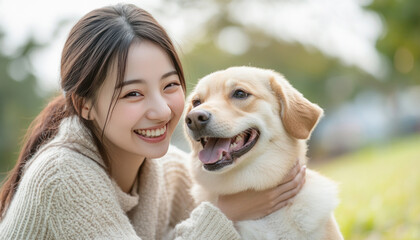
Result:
[[243, 122]]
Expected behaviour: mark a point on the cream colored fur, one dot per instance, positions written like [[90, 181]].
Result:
[[285, 120]]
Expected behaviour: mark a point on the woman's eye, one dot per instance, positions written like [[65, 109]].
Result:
[[170, 85], [133, 94], [196, 102], [240, 94]]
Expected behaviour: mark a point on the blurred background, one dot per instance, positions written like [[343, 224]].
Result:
[[358, 59]]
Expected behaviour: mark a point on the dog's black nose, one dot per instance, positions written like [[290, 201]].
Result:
[[197, 119]]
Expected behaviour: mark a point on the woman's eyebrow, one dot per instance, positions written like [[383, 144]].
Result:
[[174, 72], [141, 81], [128, 82]]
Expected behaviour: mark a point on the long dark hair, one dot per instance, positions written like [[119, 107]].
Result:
[[102, 37]]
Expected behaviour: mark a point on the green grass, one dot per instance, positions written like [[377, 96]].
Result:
[[379, 191]]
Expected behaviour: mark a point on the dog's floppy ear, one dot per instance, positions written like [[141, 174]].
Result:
[[298, 114]]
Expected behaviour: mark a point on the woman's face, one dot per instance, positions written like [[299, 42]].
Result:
[[148, 108]]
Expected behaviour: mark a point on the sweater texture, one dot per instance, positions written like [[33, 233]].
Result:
[[65, 193]]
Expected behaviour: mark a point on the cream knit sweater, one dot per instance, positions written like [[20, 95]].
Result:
[[65, 193]]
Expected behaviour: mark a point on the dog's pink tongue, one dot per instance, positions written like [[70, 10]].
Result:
[[213, 148]]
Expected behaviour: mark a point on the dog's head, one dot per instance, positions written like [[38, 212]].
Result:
[[245, 121]]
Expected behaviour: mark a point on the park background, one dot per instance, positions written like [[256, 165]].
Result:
[[358, 59]]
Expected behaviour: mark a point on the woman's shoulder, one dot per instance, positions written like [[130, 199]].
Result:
[[62, 165]]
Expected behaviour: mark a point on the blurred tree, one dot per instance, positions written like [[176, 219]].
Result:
[[308, 71], [400, 45], [322, 79], [401, 41], [19, 101]]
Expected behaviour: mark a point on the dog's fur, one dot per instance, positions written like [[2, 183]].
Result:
[[285, 120]]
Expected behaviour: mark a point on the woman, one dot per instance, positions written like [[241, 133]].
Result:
[[88, 169]]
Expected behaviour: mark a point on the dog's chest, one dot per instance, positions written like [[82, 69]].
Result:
[[303, 219]]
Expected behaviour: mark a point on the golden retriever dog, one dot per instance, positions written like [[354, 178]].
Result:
[[247, 128]]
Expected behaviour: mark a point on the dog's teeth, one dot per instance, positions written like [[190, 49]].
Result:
[[221, 156]]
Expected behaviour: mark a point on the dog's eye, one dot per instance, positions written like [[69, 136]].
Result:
[[240, 94], [196, 102]]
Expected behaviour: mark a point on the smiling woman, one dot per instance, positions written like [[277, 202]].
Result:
[[97, 162], [150, 98]]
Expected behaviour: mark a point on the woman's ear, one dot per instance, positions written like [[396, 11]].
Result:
[[298, 114], [86, 106], [86, 109]]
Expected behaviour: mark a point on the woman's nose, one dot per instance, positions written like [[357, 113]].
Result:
[[159, 109]]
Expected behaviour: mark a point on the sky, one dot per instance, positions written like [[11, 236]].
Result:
[[340, 29]]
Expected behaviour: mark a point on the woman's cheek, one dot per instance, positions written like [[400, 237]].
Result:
[[128, 111], [178, 102]]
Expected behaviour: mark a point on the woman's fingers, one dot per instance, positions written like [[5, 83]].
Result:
[[293, 183], [297, 186], [292, 173], [279, 206], [288, 190], [285, 188]]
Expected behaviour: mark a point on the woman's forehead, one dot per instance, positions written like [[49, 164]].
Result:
[[145, 60]]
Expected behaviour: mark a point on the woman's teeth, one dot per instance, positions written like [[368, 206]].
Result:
[[151, 133]]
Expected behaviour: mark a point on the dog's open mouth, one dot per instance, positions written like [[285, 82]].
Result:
[[220, 152]]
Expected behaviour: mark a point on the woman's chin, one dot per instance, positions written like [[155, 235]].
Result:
[[155, 151]]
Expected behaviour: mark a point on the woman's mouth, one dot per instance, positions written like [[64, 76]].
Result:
[[152, 135]]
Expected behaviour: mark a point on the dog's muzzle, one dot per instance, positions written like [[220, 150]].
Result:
[[218, 151]]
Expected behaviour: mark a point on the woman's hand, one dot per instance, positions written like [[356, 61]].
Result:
[[251, 204]]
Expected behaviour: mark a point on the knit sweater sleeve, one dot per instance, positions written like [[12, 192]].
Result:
[[206, 222], [188, 220], [63, 197]]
